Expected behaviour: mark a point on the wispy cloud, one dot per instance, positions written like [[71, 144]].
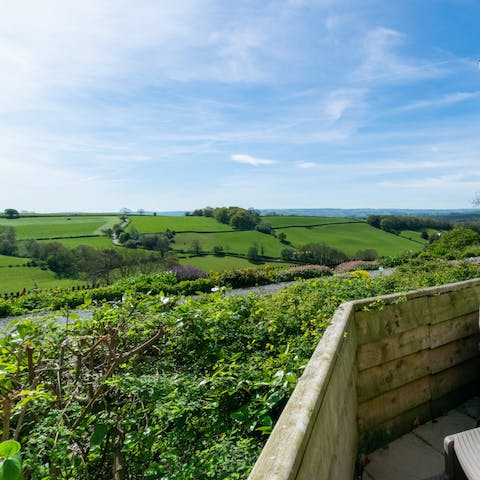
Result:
[[442, 101], [307, 165], [249, 160], [443, 181], [382, 62]]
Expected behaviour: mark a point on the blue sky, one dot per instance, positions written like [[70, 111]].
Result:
[[175, 105]]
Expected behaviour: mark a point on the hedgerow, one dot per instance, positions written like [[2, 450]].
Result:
[[152, 389]]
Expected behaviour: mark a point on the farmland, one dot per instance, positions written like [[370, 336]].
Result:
[[40, 227], [194, 241], [346, 235]]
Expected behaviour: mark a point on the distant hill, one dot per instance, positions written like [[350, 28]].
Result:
[[452, 215]]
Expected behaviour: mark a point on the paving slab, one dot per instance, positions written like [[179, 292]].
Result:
[[471, 408], [419, 455], [435, 431], [408, 457]]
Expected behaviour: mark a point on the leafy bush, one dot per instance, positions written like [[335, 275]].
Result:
[[187, 272], [169, 391], [303, 271]]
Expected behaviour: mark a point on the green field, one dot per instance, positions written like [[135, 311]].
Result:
[[15, 279], [232, 242], [351, 237], [95, 242], [210, 263], [66, 226], [292, 221], [347, 235], [6, 261], [149, 224]]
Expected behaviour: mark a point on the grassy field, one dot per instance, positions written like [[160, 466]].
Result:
[[342, 233], [348, 237], [149, 224], [95, 242], [67, 226], [232, 242], [5, 261], [15, 279], [351, 237], [210, 263], [292, 221]]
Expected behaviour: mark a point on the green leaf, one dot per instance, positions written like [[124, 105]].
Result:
[[9, 448], [11, 469], [98, 434], [274, 398]]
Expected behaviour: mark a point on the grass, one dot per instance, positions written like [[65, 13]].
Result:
[[293, 221], [342, 233], [58, 226], [6, 261], [15, 279], [150, 224], [232, 242], [351, 237], [211, 263], [96, 242]]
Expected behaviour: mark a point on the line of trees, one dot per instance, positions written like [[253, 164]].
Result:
[[396, 223]]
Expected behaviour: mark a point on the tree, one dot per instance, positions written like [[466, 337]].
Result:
[[458, 238], [320, 253], [252, 253], [287, 253], [218, 250], [8, 242], [264, 227], [368, 254], [282, 236], [11, 213], [196, 247], [243, 220], [221, 215]]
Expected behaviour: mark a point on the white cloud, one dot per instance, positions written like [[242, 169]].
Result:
[[249, 160], [438, 182], [381, 62], [445, 100], [307, 164]]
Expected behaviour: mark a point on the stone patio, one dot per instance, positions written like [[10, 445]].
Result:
[[418, 455]]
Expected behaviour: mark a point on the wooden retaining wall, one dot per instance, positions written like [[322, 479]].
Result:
[[416, 357], [383, 366]]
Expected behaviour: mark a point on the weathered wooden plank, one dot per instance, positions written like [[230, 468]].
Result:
[[408, 420], [453, 329], [335, 419], [432, 308], [343, 460], [391, 375], [449, 380], [453, 304], [378, 410], [440, 406], [373, 325], [453, 353], [283, 453], [329, 418], [392, 347]]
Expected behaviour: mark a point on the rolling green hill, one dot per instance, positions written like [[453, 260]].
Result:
[[151, 224], [344, 234], [59, 226]]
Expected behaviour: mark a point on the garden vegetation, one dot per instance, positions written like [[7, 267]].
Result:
[[159, 386]]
